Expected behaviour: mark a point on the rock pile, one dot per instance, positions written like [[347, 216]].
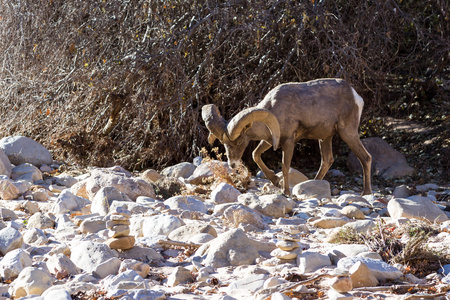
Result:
[[105, 233], [118, 222]]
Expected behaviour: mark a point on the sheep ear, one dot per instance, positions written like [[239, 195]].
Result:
[[211, 138]]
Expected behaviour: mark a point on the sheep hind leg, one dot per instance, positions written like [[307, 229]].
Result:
[[364, 157], [288, 151], [260, 149], [326, 152]]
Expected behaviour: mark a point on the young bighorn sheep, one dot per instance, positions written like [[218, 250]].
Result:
[[290, 112]]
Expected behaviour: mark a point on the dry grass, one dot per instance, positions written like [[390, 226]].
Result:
[[406, 244]]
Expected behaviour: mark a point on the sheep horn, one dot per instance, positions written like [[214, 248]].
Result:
[[216, 125], [254, 114]]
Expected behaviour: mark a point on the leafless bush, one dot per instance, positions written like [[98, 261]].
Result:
[[103, 82]]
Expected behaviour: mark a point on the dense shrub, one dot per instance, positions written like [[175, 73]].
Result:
[[103, 82]]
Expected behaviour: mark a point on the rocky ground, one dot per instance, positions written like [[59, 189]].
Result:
[[200, 231]]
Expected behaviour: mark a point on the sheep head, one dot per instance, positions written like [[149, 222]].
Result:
[[233, 134]]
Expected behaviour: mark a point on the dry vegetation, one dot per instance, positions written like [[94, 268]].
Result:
[[103, 82]]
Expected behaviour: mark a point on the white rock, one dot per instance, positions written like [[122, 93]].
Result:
[[151, 175], [8, 190], [224, 193], [282, 254], [40, 221], [312, 189], [361, 226], [275, 205], [31, 281], [67, 202], [329, 222], [250, 284], [58, 294], [353, 212], [133, 187], [416, 207], [27, 172], [5, 164], [104, 198], [160, 225], [186, 203], [178, 276], [347, 199], [132, 264], [279, 296], [88, 255], [10, 239], [184, 169], [238, 214], [362, 276], [201, 238], [21, 149], [65, 180], [186, 232], [205, 170], [310, 261], [61, 263], [35, 236], [108, 267], [232, 248], [115, 282], [381, 270], [13, 263]]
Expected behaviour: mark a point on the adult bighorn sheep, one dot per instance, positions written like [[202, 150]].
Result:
[[290, 112]]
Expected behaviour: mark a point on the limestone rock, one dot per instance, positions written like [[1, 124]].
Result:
[[35, 236], [40, 221], [341, 284], [8, 190], [151, 175], [386, 161], [5, 164], [416, 207], [104, 198], [347, 199], [239, 214], [26, 172], [232, 248], [10, 239], [179, 275], [108, 267], [361, 226], [186, 232], [312, 189], [13, 263], [381, 270], [92, 225], [68, 202], [362, 276], [123, 243], [61, 263], [160, 225], [132, 264], [21, 149], [87, 255], [275, 205], [295, 177], [329, 222], [133, 187], [184, 169], [353, 212], [224, 193], [310, 261], [31, 281], [186, 203]]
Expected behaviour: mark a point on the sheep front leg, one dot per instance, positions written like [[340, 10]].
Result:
[[260, 149], [288, 151]]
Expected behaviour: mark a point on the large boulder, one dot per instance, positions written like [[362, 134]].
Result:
[[21, 149], [88, 255], [31, 281], [232, 248], [416, 207], [132, 187], [386, 161], [312, 189], [5, 164], [184, 169], [275, 205]]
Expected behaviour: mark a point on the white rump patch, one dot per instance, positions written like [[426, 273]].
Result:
[[359, 101]]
